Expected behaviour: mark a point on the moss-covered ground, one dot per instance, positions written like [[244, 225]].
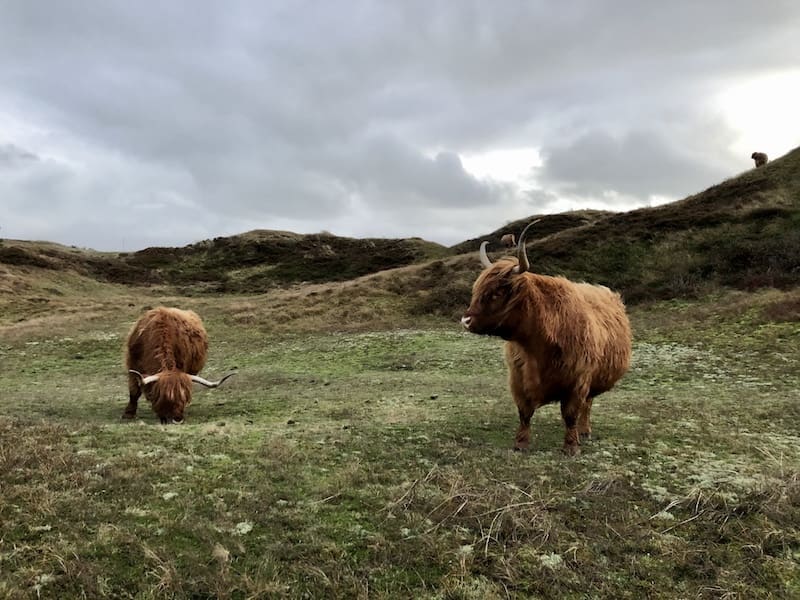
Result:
[[377, 462]]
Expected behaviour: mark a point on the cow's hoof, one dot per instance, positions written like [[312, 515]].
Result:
[[571, 449], [126, 416]]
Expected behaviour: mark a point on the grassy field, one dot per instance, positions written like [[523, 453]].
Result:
[[359, 458]]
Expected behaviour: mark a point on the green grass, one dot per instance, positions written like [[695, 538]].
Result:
[[378, 464]]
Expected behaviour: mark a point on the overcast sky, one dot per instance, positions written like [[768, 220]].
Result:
[[131, 124]]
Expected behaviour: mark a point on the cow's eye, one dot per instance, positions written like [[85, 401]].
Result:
[[498, 294], [501, 292]]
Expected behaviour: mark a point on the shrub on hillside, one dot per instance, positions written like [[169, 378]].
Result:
[[14, 255]]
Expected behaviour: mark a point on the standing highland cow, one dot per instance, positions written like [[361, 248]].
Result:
[[508, 240], [166, 349], [760, 158], [566, 342]]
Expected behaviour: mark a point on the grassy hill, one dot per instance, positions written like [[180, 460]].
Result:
[[548, 225], [260, 260], [251, 262]]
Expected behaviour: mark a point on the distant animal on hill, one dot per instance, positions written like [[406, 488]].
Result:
[[166, 349], [566, 342], [760, 158], [508, 240]]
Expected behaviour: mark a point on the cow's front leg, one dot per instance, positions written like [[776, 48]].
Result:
[[523, 438], [135, 391], [525, 407]]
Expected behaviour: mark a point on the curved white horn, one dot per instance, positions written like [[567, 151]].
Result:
[[210, 384], [522, 255], [484, 258], [145, 380]]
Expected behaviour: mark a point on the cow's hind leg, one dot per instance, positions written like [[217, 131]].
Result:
[[135, 391], [585, 421]]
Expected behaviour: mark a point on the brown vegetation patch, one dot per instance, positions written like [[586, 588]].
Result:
[[786, 310]]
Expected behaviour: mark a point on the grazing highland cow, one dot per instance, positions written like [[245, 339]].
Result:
[[760, 158], [166, 349], [566, 342], [508, 240]]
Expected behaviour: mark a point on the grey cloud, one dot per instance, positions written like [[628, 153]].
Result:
[[387, 171], [543, 202], [12, 156], [640, 163], [379, 170]]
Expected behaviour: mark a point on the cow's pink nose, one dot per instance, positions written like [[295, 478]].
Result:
[[465, 321]]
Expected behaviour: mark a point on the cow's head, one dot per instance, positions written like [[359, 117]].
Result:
[[170, 392], [496, 294]]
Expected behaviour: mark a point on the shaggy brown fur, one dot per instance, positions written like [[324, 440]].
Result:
[[173, 344], [760, 158], [566, 342], [508, 240]]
